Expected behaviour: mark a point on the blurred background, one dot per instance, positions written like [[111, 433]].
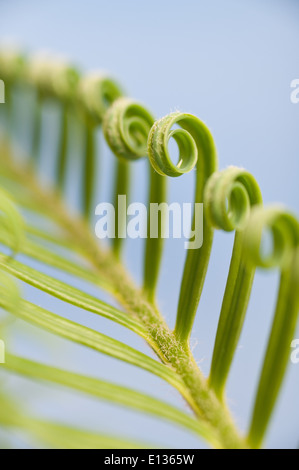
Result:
[[231, 64]]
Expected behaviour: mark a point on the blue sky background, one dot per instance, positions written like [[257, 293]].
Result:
[[231, 64]]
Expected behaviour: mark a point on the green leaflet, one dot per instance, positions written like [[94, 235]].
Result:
[[21, 195], [39, 253], [12, 66], [71, 295], [196, 148], [229, 196], [61, 164], [56, 79], [126, 127], [154, 246], [89, 168], [122, 183], [284, 228], [58, 239], [11, 221], [36, 128], [94, 340], [9, 290], [110, 392], [97, 93], [59, 436]]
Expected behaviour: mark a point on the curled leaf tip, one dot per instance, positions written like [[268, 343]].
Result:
[[283, 226], [12, 64], [126, 128], [53, 77], [97, 94], [229, 196], [158, 140]]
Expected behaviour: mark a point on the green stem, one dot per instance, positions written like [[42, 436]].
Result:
[[37, 129], [62, 149], [154, 246], [122, 184], [233, 310], [89, 168]]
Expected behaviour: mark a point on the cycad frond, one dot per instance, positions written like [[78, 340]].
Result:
[[232, 201]]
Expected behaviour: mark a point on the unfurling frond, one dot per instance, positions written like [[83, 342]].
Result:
[[232, 202]]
